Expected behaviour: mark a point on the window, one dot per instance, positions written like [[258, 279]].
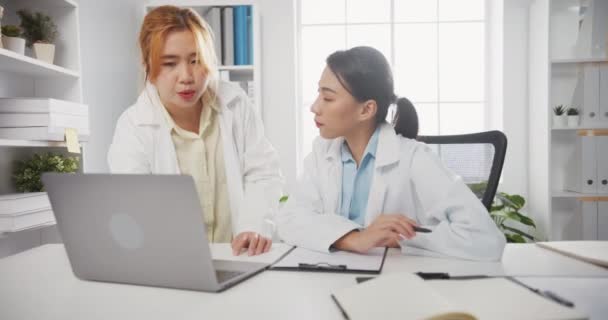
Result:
[[436, 49]]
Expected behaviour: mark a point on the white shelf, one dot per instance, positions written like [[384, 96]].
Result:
[[16, 63], [581, 128], [578, 60], [30, 143], [571, 194], [236, 68]]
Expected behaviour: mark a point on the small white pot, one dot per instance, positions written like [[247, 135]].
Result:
[[15, 44], [559, 121], [45, 52], [573, 121]]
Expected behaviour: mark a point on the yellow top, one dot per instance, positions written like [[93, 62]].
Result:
[[202, 156]]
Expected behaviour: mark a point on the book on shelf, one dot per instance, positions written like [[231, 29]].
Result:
[[241, 50], [14, 203], [42, 105], [39, 134], [213, 16], [227, 36], [26, 220], [407, 296], [18, 120]]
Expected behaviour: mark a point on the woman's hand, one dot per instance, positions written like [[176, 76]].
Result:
[[384, 231], [253, 242]]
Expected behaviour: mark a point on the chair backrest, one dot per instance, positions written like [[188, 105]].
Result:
[[477, 157]]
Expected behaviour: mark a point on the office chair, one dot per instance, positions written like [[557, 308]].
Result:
[[477, 157]]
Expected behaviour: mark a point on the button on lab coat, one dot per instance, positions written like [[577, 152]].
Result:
[[409, 179], [142, 144]]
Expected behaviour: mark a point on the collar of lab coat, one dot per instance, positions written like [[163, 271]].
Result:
[[386, 154], [149, 104]]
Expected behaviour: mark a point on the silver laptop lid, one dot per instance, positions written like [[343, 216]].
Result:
[[139, 229]]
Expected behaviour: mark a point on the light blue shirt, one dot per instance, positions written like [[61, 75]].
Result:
[[356, 183]]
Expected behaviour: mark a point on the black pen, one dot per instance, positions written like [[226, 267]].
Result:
[[421, 229], [417, 229]]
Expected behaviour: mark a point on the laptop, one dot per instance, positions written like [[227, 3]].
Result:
[[139, 229]]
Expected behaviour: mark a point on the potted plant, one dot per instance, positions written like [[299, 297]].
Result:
[[26, 174], [12, 39], [40, 32], [559, 118], [573, 117]]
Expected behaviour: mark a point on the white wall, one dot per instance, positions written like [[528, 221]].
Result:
[[108, 41], [110, 73], [278, 19], [515, 95]]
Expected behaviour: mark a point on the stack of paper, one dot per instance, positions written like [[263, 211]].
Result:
[[595, 252], [406, 296], [24, 210], [42, 119]]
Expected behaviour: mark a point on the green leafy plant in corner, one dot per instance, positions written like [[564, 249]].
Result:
[[559, 110], [506, 208], [505, 211], [573, 111], [26, 175], [11, 31], [37, 27]]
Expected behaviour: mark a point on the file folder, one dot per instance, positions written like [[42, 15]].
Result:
[[301, 259]]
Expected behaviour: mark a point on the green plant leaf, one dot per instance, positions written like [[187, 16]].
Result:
[[283, 199], [515, 238], [517, 231]]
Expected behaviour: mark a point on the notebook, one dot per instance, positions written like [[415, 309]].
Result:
[[407, 296], [301, 259], [595, 252]]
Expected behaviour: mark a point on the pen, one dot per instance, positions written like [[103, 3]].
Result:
[[417, 229]]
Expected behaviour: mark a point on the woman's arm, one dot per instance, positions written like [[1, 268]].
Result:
[[465, 228], [303, 223]]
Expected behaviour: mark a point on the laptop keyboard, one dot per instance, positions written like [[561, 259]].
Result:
[[224, 275]]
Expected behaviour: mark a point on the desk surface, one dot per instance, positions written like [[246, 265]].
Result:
[[39, 284]]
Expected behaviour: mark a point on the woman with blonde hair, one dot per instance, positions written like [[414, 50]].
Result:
[[186, 121]]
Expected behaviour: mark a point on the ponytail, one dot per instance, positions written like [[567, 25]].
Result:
[[405, 120]]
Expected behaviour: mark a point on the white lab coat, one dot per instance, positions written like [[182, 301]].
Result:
[[142, 144], [409, 179]]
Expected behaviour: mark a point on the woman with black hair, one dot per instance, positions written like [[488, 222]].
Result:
[[370, 184]]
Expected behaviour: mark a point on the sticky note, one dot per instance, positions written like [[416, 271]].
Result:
[[71, 140]]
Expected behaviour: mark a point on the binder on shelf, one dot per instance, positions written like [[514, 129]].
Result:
[[581, 175], [589, 219], [240, 35], [602, 163], [213, 16], [602, 220], [42, 105], [23, 202], [249, 35], [301, 259], [227, 36], [586, 93], [604, 93]]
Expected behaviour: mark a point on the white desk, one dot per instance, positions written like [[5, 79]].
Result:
[[39, 284]]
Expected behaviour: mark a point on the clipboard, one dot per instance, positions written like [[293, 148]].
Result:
[[300, 259]]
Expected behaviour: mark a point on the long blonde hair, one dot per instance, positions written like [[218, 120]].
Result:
[[155, 29]]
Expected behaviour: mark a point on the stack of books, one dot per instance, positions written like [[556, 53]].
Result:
[[233, 31], [42, 119], [22, 211]]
